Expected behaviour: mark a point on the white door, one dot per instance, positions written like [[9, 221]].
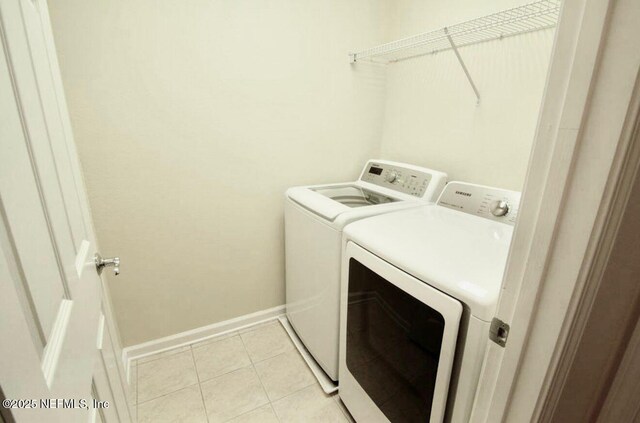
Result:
[[50, 314]]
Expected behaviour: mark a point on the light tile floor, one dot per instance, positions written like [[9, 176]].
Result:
[[253, 375]]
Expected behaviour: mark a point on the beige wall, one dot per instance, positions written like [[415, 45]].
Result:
[[191, 119], [431, 116]]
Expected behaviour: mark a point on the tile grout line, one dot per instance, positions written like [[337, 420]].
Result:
[[175, 389], [226, 372], [331, 398], [273, 410], [172, 351], [180, 350], [195, 366], [269, 358], [264, 359], [167, 394], [293, 348], [259, 378], [251, 411], [315, 382], [296, 391]]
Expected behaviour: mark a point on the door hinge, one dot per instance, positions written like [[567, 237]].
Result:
[[499, 332]]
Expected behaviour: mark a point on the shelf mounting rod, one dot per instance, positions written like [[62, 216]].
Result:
[[464, 67]]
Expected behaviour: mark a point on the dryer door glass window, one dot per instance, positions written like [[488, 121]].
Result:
[[354, 196], [393, 345]]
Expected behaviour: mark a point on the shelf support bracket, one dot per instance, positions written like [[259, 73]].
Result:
[[464, 67]]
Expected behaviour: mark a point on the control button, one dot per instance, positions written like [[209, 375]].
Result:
[[499, 208], [391, 176]]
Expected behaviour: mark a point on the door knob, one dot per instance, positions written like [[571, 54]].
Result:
[[107, 262]]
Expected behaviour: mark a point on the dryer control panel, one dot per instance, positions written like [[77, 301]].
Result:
[[403, 179], [496, 204]]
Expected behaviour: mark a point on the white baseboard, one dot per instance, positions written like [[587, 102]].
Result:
[[144, 349]]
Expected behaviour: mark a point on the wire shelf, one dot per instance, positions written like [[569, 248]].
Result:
[[531, 17]]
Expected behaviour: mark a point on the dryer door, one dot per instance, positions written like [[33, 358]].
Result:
[[400, 339]]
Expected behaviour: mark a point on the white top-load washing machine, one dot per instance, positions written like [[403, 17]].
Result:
[[418, 292], [314, 219]]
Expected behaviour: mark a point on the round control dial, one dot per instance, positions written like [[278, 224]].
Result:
[[499, 208], [391, 176]]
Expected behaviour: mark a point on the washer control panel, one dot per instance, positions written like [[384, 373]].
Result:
[[496, 204], [398, 178]]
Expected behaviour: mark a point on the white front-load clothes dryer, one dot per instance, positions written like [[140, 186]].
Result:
[[419, 289], [314, 219]]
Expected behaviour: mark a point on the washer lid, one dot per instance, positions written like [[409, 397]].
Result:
[[458, 253], [353, 195], [329, 201]]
